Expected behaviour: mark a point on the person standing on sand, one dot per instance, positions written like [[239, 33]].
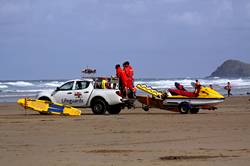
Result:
[[130, 75], [129, 71], [228, 87], [122, 80]]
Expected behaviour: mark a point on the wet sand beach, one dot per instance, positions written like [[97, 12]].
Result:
[[133, 137]]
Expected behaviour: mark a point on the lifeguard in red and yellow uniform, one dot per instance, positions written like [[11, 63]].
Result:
[[123, 80], [130, 75]]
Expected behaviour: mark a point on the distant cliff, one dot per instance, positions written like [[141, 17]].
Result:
[[232, 68]]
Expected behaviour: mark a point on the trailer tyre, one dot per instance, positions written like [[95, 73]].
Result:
[[194, 110], [145, 108], [184, 108], [115, 109], [99, 106]]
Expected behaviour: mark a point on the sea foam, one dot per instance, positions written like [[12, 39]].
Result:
[[19, 83]]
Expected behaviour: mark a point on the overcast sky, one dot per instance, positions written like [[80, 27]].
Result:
[[53, 39]]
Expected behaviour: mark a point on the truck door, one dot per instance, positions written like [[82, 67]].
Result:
[[82, 92], [64, 94]]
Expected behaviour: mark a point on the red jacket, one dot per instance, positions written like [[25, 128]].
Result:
[[121, 75], [129, 72]]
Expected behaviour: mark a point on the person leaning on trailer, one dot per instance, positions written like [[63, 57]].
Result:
[[123, 80], [130, 75]]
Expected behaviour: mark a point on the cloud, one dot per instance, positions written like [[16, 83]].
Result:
[[8, 8], [187, 18], [172, 1], [248, 9], [224, 8], [135, 7]]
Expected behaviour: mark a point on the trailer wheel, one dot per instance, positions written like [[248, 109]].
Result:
[[99, 106], [114, 109], [184, 108], [145, 108], [194, 110]]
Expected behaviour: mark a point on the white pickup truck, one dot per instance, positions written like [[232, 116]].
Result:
[[81, 93]]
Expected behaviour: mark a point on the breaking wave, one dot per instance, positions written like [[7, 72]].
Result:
[[19, 83], [12, 90], [3, 86]]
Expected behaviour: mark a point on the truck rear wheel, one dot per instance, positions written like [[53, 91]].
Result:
[[99, 106], [115, 109]]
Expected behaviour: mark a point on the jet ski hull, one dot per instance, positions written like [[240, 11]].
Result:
[[193, 101]]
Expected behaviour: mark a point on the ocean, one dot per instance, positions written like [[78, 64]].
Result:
[[10, 91]]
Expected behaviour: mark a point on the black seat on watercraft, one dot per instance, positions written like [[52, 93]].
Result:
[[179, 86]]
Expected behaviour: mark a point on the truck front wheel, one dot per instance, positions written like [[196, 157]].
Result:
[[115, 109], [44, 99], [99, 106]]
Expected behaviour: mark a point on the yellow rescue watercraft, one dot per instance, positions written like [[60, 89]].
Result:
[[46, 107], [180, 100]]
